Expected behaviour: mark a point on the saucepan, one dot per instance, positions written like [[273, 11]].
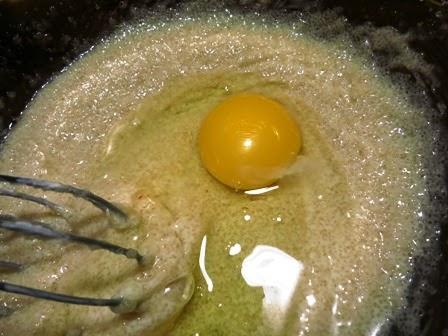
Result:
[[39, 39]]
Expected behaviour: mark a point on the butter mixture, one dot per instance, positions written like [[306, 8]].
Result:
[[123, 121]]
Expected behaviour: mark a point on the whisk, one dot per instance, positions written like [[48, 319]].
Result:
[[44, 231]]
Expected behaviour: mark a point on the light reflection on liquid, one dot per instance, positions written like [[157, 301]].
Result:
[[376, 329], [261, 190], [311, 300], [234, 249], [278, 274], [207, 278]]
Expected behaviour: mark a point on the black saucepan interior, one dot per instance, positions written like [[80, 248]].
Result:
[[39, 38]]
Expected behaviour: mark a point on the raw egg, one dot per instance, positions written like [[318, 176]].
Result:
[[248, 141]]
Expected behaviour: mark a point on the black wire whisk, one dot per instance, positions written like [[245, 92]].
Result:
[[45, 231]]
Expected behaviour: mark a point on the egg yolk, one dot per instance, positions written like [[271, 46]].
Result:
[[248, 141]]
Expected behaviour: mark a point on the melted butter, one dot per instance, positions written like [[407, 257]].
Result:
[[122, 121]]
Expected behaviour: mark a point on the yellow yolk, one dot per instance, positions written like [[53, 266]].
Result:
[[248, 141]]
